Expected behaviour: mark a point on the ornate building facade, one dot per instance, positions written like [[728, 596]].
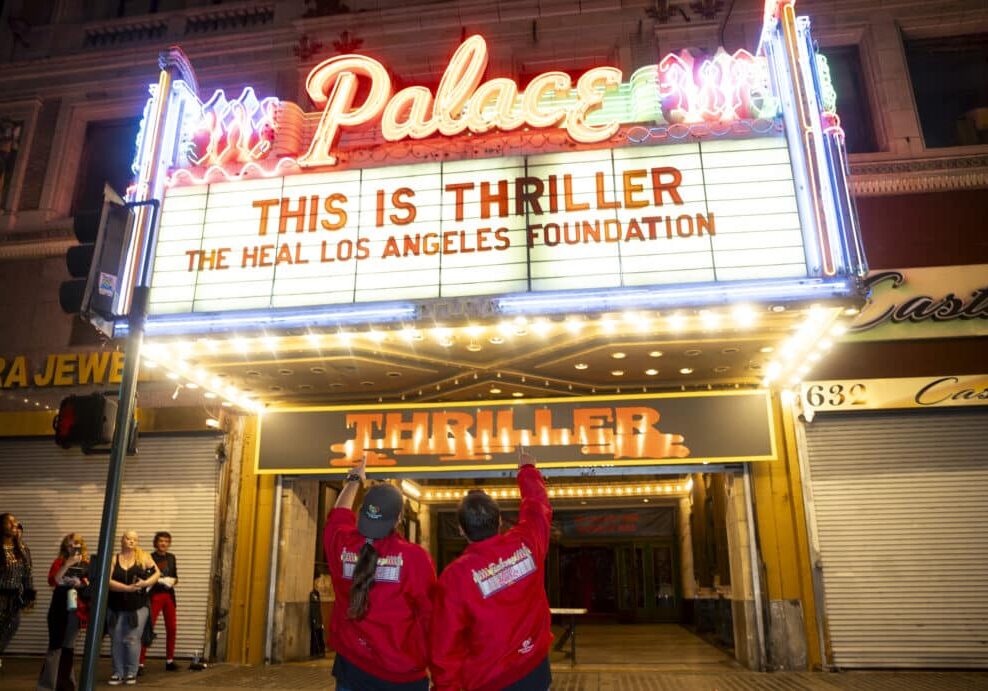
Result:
[[912, 93]]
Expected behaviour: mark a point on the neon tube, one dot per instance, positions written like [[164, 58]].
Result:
[[810, 82], [257, 320], [776, 52], [703, 294], [809, 133]]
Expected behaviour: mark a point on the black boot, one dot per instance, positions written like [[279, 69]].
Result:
[[66, 674]]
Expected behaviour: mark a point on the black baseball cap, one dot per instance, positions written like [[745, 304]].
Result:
[[379, 512]]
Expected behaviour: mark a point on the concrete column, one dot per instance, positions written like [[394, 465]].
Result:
[[898, 118], [425, 525], [685, 536], [743, 602], [226, 522]]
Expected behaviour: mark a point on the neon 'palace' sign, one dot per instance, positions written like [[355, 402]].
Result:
[[460, 103], [690, 171], [679, 90]]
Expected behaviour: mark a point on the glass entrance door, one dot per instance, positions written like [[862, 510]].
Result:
[[647, 587]]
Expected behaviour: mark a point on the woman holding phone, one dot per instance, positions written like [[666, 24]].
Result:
[[67, 613]]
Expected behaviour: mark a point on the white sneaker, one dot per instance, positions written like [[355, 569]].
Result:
[[130, 681], [115, 680]]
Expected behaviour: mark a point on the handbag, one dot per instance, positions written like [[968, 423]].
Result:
[[148, 635]]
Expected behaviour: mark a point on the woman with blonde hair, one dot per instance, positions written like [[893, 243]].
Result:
[[67, 613], [133, 572]]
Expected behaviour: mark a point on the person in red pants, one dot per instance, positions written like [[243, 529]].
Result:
[[163, 598]]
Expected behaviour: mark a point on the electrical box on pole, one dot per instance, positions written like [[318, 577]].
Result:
[[98, 262]]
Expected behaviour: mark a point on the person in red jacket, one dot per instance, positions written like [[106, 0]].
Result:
[[383, 584], [490, 620]]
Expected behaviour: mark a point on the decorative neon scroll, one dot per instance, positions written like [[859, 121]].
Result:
[[721, 89], [237, 131]]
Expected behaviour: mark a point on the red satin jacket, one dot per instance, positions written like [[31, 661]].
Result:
[[391, 641], [491, 623]]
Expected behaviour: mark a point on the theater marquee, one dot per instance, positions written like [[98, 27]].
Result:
[[619, 431], [647, 215], [688, 172]]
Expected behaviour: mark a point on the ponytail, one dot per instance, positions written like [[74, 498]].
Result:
[[363, 579]]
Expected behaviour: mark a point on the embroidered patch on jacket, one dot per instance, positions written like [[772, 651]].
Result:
[[388, 568], [495, 577]]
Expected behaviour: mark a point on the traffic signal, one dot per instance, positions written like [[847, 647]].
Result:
[[85, 421], [96, 264], [89, 422]]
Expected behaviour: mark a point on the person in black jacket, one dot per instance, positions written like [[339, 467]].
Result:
[[16, 583], [163, 598]]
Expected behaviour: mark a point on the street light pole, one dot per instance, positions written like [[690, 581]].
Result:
[[173, 63]]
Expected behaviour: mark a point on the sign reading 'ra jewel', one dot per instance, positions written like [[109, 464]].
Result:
[[61, 369], [612, 431]]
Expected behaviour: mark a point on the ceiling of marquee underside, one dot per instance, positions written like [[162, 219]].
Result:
[[522, 358]]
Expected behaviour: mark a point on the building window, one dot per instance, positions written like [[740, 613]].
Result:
[[130, 8], [950, 82], [10, 143], [853, 105], [107, 155]]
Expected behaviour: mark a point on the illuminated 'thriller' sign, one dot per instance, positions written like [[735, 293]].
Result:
[[460, 103], [636, 430]]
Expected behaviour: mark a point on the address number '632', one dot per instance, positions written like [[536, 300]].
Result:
[[836, 395]]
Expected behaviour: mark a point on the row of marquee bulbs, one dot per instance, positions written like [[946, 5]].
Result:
[[189, 377], [797, 355], [648, 489], [28, 401], [738, 317]]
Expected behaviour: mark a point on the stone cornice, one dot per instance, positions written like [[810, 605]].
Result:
[[917, 175], [138, 64], [36, 245]]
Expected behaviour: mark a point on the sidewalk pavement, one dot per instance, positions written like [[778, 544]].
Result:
[[20, 674]]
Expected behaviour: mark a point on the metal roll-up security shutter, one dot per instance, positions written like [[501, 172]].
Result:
[[901, 514], [170, 485]]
